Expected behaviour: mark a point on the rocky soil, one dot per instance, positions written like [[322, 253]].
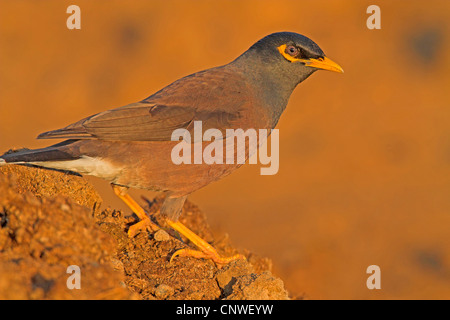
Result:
[[50, 220]]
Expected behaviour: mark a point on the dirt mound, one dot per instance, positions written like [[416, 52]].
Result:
[[50, 220]]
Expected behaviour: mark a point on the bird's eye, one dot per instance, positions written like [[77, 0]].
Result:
[[292, 51]]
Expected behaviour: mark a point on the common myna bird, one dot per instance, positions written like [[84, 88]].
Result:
[[131, 146]]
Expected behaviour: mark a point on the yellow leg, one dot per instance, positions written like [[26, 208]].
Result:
[[206, 250], [137, 209]]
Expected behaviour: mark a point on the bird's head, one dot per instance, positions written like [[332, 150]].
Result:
[[290, 55]]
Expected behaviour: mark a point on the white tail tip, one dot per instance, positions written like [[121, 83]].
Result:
[[2, 162]]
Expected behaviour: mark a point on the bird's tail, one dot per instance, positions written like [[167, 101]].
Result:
[[37, 156]]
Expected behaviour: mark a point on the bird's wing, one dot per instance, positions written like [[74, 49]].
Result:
[[199, 97]]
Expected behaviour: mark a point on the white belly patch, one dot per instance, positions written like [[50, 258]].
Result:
[[85, 165]]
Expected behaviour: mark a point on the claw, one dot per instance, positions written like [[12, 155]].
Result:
[[142, 225]]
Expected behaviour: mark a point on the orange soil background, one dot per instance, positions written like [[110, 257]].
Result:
[[364, 156]]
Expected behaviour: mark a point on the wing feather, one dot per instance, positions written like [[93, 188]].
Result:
[[199, 97]]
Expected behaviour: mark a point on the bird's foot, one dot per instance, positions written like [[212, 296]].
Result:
[[206, 250], [211, 254], [145, 224]]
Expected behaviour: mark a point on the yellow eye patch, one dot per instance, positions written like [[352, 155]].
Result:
[[287, 56], [319, 63]]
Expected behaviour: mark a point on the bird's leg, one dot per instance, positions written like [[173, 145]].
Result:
[[206, 251], [144, 222], [171, 209]]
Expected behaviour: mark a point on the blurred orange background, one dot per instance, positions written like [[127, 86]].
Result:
[[364, 157]]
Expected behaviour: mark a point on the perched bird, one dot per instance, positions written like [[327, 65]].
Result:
[[131, 146]]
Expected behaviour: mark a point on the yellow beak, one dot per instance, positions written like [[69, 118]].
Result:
[[323, 63]]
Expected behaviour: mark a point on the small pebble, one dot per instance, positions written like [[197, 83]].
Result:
[[163, 291], [64, 207], [161, 235]]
